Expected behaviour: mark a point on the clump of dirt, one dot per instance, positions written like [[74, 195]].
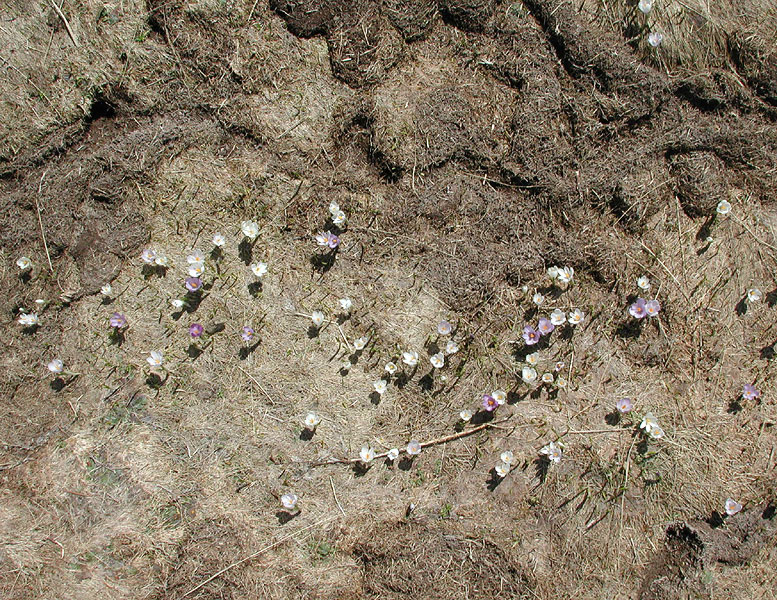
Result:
[[469, 15], [677, 570], [701, 183], [757, 63], [400, 559], [412, 18]]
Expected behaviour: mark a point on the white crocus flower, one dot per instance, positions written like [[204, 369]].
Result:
[[533, 358], [410, 358], [557, 317], [250, 229], [360, 343], [317, 317], [289, 501], [334, 208], [547, 378], [312, 420], [507, 457], [437, 360], [754, 295], [346, 304], [219, 240], [502, 469], [732, 507], [500, 396], [259, 269], [465, 415], [381, 385], [414, 448], [28, 319], [528, 374], [655, 39], [538, 298], [195, 270], [156, 358], [649, 421], [643, 283], [367, 454], [553, 452], [451, 347], [161, 260], [56, 366], [195, 258], [24, 263], [393, 454], [338, 218], [106, 290], [390, 368], [148, 256], [576, 316], [565, 274]]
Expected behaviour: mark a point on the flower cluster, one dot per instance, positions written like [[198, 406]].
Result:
[[553, 451], [562, 275], [327, 238], [651, 427], [337, 215], [642, 308], [545, 325], [506, 462]]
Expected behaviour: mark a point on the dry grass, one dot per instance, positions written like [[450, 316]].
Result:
[[120, 486]]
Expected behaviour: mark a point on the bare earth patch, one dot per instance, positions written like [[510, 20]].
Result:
[[472, 144]]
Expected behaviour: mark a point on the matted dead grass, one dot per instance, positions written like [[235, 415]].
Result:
[[471, 147]]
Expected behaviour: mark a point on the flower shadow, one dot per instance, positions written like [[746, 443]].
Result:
[[246, 351], [307, 434], [406, 463], [541, 468], [255, 288], [375, 398], [741, 307], [360, 469], [427, 382], [245, 251], [57, 384], [154, 381], [630, 329], [25, 276], [771, 298], [116, 336], [107, 301], [768, 352], [193, 301], [612, 418], [482, 416], [493, 480], [285, 516], [323, 262], [216, 254], [30, 329], [313, 331], [735, 405], [705, 229], [193, 351]]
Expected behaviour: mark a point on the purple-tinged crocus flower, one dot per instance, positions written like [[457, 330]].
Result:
[[193, 284], [196, 330], [544, 326], [624, 405], [530, 335], [652, 307], [750, 392], [490, 403], [327, 238], [118, 320], [638, 310], [248, 334]]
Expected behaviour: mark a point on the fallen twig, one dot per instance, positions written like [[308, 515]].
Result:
[[65, 21], [442, 440]]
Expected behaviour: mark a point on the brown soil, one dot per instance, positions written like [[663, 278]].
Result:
[[473, 144]]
